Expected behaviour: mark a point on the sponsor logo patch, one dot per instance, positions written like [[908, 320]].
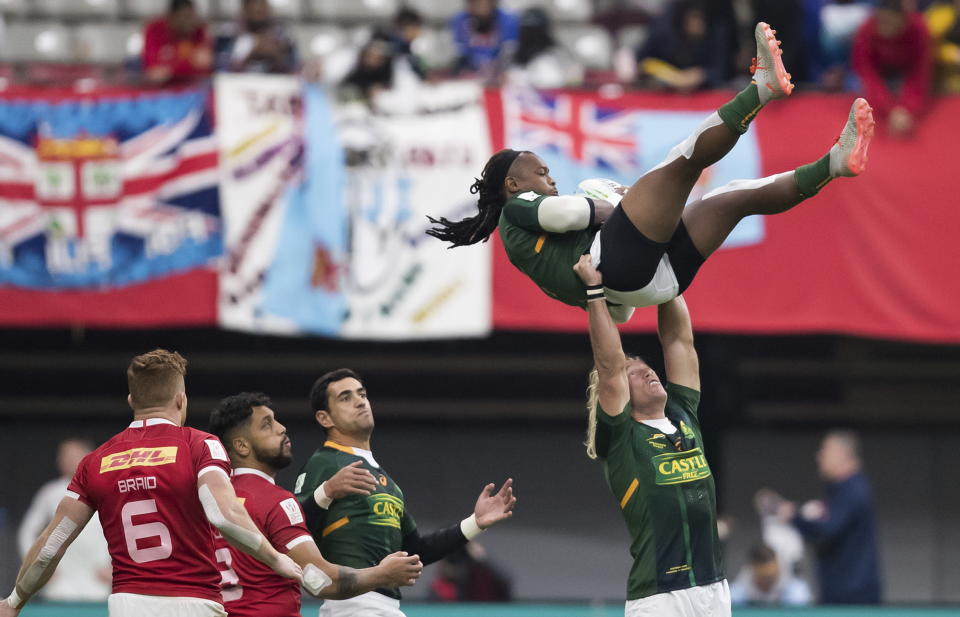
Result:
[[217, 452], [292, 509], [680, 467], [385, 510], [298, 486], [139, 457]]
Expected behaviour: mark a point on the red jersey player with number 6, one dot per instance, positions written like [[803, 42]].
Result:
[[158, 486]]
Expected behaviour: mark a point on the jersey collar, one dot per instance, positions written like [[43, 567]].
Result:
[[150, 422], [365, 454], [243, 471]]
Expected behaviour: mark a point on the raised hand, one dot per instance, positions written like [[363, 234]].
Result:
[[587, 273], [493, 507], [350, 480], [400, 569]]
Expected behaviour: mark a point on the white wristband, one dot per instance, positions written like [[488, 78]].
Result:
[[470, 528], [14, 599], [320, 496]]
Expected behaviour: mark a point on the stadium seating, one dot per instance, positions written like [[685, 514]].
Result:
[[590, 44], [354, 10], [145, 9], [46, 41], [107, 43], [94, 9]]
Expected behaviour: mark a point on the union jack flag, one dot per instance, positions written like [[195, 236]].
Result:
[[106, 193], [572, 125]]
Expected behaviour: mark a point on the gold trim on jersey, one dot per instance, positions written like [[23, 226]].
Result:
[[630, 491], [540, 242], [335, 525], [336, 446]]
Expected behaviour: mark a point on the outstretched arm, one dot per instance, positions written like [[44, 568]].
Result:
[[676, 338], [224, 511], [41, 560], [612, 390], [331, 581], [490, 509]]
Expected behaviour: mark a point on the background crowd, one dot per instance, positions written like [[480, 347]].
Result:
[[895, 52]]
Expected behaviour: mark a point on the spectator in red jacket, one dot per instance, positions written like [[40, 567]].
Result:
[[176, 47], [892, 58]]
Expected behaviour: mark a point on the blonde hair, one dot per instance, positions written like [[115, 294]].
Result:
[[593, 383], [155, 378]]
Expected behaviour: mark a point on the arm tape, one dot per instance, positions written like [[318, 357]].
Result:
[[30, 581], [564, 213], [320, 496], [242, 536], [14, 600], [315, 579], [434, 546]]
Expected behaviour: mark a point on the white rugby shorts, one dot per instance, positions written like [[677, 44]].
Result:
[[136, 605], [702, 601], [370, 604]]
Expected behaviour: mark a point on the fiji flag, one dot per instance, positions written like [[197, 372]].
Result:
[[105, 193], [580, 135]]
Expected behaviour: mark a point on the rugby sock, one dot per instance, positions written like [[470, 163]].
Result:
[[740, 111], [813, 177]]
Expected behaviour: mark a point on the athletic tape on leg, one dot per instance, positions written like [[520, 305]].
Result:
[[745, 185], [30, 582], [243, 537], [685, 147], [315, 579]]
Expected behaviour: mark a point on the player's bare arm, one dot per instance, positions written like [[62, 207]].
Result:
[[42, 558], [493, 507], [676, 339], [326, 580], [225, 512], [613, 390]]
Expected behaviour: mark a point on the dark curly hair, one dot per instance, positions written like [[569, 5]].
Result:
[[234, 411], [489, 188]]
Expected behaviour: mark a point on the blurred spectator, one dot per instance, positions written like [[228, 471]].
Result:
[[843, 527], [764, 583], [943, 20], [466, 575], [256, 43], [538, 61], [781, 536], [407, 27], [84, 573], [833, 24], [891, 55], [481, 34], [176, 47], [683, 53], [373, 71]]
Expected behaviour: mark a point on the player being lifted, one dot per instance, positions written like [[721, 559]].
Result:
[[156, 486], [356, 511], [259, 447], [647, 435], [649, 246]]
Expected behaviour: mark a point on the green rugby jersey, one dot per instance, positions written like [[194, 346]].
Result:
[[666, 494], [547, 258], [358, 530]]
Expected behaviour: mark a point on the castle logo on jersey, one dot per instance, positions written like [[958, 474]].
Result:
[[680, 467], [106, 192], [139, 457], [386, 510]]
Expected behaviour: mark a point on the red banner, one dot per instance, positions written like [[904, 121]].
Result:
[[871, 256]]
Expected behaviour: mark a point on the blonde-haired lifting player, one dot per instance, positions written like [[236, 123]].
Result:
[[647, 435]]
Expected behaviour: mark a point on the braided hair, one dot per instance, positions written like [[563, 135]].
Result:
[[489, 188]]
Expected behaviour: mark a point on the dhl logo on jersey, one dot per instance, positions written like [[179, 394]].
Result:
[[680, 467], [385, 510], [139, 457]]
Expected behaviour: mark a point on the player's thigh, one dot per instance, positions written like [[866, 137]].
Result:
[[134, 605]]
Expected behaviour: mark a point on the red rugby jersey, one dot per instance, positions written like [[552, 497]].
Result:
[[143, 482], [251, 589]]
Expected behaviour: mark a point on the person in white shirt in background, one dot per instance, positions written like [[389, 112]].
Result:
[[84, 573], [537, 60]]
